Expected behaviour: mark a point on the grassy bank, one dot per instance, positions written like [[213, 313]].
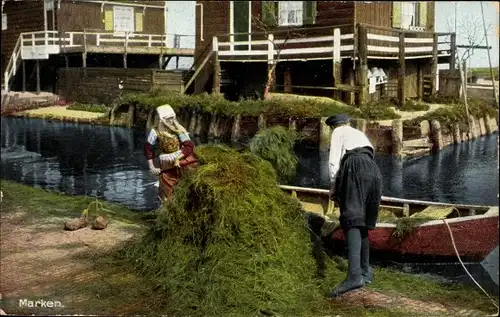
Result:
[[277, 107], [456, 113], [483, 72], [81, 270]]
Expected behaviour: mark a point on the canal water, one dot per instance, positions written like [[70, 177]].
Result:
[[109, 162]]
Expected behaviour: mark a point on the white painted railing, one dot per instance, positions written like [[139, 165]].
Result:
[[425, 45], [11, 68], [330, 44], [41, 44]]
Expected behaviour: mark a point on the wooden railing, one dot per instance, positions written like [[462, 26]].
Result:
[[326, 44], [385, 43], [11, 68]]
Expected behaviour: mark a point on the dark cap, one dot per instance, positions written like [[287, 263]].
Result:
[[337, 119]]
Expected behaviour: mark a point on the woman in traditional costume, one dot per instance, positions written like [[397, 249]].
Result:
[[176, 150]]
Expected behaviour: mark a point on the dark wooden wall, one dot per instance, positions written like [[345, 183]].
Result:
[[22, 16], [100, 85], [77, 16], [215, 21]]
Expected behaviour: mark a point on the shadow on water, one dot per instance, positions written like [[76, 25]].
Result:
[[109, 162]]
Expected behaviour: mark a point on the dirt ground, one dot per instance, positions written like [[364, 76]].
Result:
[[35, 257]]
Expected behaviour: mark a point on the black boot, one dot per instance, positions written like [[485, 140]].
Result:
[[365, 258], [354, 278]]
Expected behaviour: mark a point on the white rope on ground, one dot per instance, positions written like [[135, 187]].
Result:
[[463, 265]]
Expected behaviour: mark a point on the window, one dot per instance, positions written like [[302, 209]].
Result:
[[409, 14], [49, 5], [123, 19], [290, 12], [4, 21]]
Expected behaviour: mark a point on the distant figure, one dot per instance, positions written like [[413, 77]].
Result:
[[356, 185], [176, 150]]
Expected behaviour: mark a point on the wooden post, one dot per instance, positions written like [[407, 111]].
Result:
[[38, 76], [84, 55], [160, 61], [363, 64], [337, 66], [24, 75], [352, 82], [437, 136], [402, 70], [216, 66], [125, 51], [434, 63], [66, 61], [397, 137], [453, 50], [420, 82], [288, 81]]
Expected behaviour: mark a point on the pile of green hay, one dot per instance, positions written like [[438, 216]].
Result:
[[231, 243], [275, 145]]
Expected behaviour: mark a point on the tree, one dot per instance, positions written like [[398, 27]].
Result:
[[470, 32], [268, 19]]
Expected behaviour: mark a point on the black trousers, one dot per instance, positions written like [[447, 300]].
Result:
[[358, 189]]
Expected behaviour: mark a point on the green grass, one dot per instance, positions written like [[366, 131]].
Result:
[[88, 107], [453, 114], [277, 107], [483, 72], [43, 204], [123, 288]]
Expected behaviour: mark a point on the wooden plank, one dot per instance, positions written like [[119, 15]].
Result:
[[401, 71], [363, 64]]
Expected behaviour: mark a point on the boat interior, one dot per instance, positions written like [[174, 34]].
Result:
[[316, 201]]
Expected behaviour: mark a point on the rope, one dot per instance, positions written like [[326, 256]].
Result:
[[463, 265]]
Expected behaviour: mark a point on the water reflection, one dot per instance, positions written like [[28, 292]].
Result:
[[109, 162]]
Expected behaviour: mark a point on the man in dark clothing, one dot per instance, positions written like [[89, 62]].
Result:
[[356, 185]]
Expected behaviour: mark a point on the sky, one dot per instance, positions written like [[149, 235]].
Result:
[[181, 20]]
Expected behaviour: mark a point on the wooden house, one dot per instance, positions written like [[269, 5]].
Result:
[[43, 35], [354, 50]]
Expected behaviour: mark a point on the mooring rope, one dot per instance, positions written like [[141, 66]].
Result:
[[467, 271]]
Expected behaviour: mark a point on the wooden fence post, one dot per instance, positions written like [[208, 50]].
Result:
[[402, 70], [363, 64], [434, 64], [216, 66], [337, 69]]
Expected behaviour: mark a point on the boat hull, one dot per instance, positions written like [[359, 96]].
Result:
[[474, 238]]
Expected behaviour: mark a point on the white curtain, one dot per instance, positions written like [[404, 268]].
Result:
[[407, 14], [290, 12], [123, 19]]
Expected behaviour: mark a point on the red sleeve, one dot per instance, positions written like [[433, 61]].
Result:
[[187, 148], [148, 151]]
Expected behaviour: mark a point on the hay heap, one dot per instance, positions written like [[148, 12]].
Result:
[[231, 243]]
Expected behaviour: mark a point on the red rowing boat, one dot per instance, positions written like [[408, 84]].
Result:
[[417, 228]]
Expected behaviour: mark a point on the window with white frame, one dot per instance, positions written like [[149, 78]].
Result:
[[409, 14], [123, 19], [290, 12]]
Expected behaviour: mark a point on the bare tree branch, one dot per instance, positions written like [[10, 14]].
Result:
[[267, 29]]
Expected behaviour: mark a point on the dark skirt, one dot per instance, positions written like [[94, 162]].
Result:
[[358, 189]]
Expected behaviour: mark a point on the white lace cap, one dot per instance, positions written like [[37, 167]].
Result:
[[165, 112]]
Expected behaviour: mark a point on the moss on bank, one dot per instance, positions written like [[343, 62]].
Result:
[[276, 107], [89, 107], [455, 113]]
